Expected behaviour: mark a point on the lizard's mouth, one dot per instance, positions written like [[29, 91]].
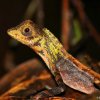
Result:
[[37, 43]]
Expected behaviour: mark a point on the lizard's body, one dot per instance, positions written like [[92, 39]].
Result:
[[61, 64]]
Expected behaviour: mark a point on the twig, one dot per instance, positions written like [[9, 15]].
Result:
[[66, 14], [22, 72], [31, 86], [85, 21]]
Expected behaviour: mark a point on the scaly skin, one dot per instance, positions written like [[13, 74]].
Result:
[[61, 64]]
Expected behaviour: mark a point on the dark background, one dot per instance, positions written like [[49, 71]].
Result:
[[12, 12]]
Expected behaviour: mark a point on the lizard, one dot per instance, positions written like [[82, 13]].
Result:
[[66, 69]]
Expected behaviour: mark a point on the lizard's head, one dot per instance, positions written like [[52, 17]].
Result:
[[27, 33]]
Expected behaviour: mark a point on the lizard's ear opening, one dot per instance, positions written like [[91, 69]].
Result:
[[27, 31]]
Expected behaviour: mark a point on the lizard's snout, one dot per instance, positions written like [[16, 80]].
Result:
[[9, 30], [12, 31]]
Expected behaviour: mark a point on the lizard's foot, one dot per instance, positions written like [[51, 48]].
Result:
[[49, 93]]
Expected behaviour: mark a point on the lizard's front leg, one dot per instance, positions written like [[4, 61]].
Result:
[[53, 91]]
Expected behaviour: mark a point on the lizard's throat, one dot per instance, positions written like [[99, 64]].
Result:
[[49, 59]]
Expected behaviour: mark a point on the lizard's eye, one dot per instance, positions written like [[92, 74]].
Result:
[[27, 32]]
